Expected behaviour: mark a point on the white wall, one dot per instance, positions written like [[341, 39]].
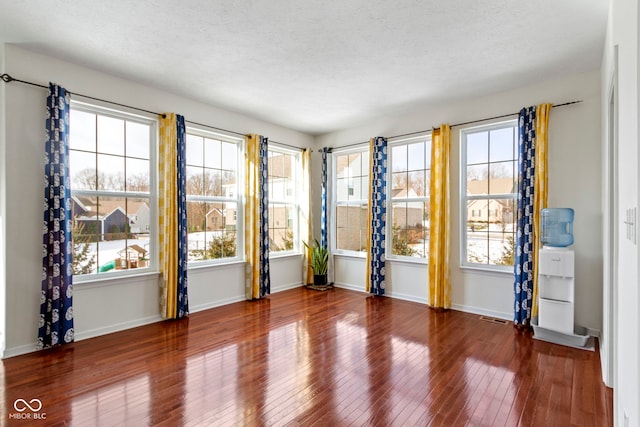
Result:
[[106, 305], [623, 313], [574, 181], [2, 207]]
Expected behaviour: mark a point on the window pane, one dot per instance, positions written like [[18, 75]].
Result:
[[111, 172], [229, 186], [138, 136], [501, 178], [417, 186], [342, 189], [82, 168], [195, 150], [351, 227], [409, 229], [137, 175], [229, 155], [399, 184], [110, 234], [501, 144], [195, 181], [477, 148], [212, 153], [398, 158], [212, 182], [212, 230], [281, 227], [110, 135], [83, 136], [415, 156], [477, 182]]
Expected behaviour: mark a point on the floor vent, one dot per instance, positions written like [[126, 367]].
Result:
[[494, 320]]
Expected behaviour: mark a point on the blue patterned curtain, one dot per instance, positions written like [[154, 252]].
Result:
[[523, 268], [265, 276], [56, 300], [182, 298], [377, 216], [324, 195]]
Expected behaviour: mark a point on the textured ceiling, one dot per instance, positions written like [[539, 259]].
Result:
[[317, 66]]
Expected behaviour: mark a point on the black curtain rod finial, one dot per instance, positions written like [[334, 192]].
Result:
[[6, 78]]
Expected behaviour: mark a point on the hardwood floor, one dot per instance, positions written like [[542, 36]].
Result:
[[304, 357]]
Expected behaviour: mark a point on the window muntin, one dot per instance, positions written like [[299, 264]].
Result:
[[351, 180], [284, 166], [213, 198], [489, 184], [112, 189], [409, 193]]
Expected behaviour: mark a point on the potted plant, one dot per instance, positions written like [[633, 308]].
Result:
[[319, 262]]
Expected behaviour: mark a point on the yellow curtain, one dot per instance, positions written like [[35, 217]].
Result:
[[439, 220], [540, 194], [306, 228], [168, 213], [369, 229], [252, 217]]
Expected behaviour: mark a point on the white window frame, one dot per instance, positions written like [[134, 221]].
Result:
[[236, 198], [294, 198], [103, 109], [361, 148], [464, 199], [390, 199]]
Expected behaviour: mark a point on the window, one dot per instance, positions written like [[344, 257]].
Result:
[[212, 196], [113, 201], [284, 166], [409, 193], [351, 201], [489, 189]]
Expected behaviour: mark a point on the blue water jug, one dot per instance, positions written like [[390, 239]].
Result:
[[557, 227]]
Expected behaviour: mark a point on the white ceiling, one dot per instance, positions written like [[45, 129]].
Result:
[[317, 66]]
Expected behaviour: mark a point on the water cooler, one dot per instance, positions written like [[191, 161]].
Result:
[[556, 280]]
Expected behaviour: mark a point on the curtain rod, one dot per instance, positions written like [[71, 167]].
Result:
[[459, 124], [7, 79]]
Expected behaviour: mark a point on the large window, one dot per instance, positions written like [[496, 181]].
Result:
[[409, 193], [284, 205], [112, 189], [351, 172], [488, 188], [213, 196]]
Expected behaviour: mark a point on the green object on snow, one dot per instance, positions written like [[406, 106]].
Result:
[[108, 266]]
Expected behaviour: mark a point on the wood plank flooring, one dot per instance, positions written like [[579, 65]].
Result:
[[309, 358]]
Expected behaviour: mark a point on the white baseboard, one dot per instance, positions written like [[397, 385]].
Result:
[[20, 350], [349, 286], [286, 287], [406, 297], [214, 304], [482, 311], [79, 336], [92, 333]]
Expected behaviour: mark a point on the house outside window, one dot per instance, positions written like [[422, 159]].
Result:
[[351, 184], [408, 184], [489, 180], [213, 197], [284, 202], [112, 190]]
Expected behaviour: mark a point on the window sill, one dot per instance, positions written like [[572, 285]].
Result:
[[215, 265], [410, 261], [99, 282], [354, 255], [486, 271], [283, 256]]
